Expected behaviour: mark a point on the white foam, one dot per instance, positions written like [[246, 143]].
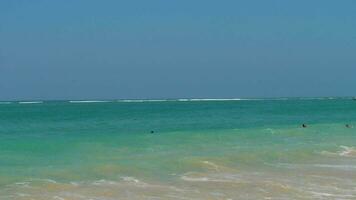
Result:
[[218, 178], [345, 152], [104, 182], [136, 182], [201, 99], [298, 166], [270, 130], [58, 198], [89, 101], [157, 100], [343, 167], [43, 180], [21, 183], [130, 179], [143, 100], [22, 194], [211, 164], [208, 179], [198, 179], [234, 99], [330, 195], [130, 101], [30, 102], [348, 151], [328, 153], [182, 100], [74, 183]]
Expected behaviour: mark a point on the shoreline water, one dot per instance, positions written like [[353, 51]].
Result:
[[199, 150]]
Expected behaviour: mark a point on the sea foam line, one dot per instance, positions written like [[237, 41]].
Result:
[[200, 99], [89, 101], [345, 152], [142, 100], [234, 99], [298, 166], [175, 100], [30, 102]]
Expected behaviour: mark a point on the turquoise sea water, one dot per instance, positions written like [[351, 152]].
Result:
[[242, 149]]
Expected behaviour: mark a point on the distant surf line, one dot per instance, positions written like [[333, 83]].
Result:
[[228, 99], [177, 100], [88, 101], [30, 102], [183, 100], [5, 102], [171, 100]]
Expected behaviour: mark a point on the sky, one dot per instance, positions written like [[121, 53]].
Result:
[[113, 49]]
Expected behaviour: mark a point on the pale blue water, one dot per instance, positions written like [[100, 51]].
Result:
[[247, 149]]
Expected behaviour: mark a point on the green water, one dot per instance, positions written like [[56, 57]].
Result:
[[244, 149]]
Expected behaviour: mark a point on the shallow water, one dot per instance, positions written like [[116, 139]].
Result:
[[104, 150]]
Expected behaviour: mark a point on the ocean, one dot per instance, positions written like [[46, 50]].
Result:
[[178, 149]]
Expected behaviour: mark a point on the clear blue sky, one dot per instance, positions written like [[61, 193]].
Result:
[[92, 49]]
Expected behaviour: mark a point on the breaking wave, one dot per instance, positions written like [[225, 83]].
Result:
[[344, 151]]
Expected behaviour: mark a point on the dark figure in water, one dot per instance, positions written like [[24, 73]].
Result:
[[348, 126], [152, 132], [304, 125]]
